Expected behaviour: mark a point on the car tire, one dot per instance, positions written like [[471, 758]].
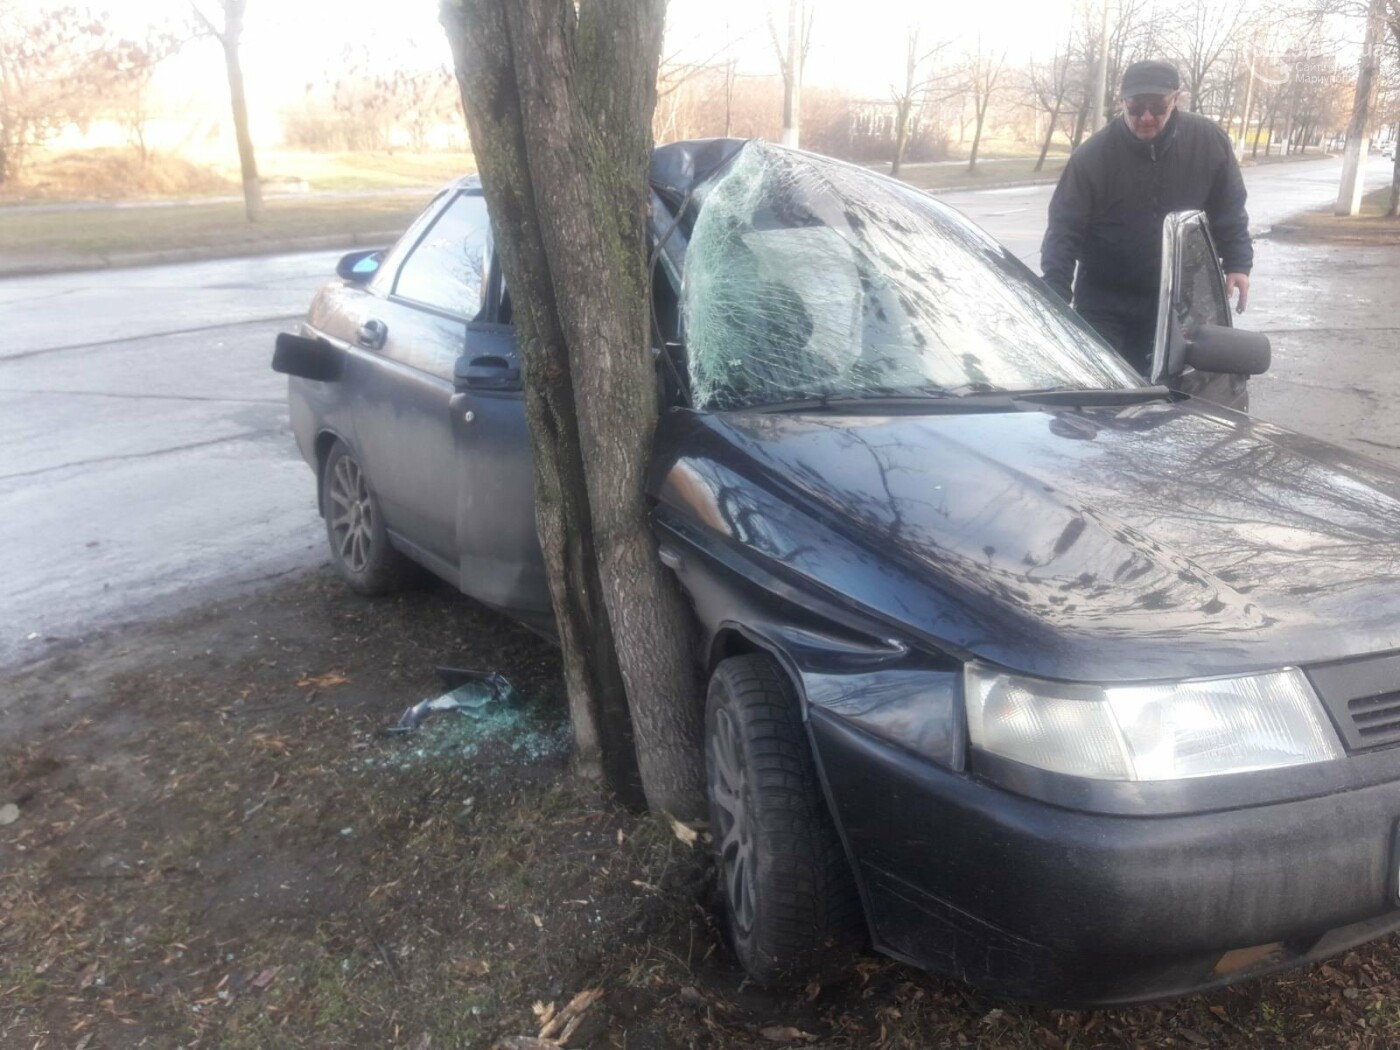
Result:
[[355, 530], [789, 899]]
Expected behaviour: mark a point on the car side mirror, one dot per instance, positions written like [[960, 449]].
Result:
[[1216, 348], [488, 373], [296, 355], [358, 267]]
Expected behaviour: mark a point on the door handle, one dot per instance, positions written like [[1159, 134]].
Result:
[[372, 334]]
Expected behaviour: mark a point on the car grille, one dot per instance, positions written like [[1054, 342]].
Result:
[[1363, 698], [1376, 719]]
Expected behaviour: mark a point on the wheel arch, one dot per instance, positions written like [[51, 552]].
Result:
[[325, 441]]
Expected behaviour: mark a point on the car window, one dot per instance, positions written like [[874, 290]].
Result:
[[1200, 291], [807, 278], [388, 267], [447, 268]]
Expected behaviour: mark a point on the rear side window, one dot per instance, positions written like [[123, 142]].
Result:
[[447, 269]]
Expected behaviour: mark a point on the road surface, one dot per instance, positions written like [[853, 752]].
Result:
[[146, 462]]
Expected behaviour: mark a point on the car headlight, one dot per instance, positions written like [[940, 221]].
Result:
[[1149, 732]]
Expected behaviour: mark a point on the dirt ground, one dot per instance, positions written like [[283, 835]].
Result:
[[218, 845]]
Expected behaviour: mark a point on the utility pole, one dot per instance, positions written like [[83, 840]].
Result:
[[1354, 158], [1101, 72], [1248, 108]]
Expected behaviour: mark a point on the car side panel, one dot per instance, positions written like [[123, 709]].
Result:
[[497, 545], [400, 397]]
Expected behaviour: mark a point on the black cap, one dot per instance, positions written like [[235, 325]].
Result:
[[1150, 78]]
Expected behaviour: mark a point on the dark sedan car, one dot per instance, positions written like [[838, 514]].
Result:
[[1022, 667]]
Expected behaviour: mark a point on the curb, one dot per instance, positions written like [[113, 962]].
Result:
[[204, 253]]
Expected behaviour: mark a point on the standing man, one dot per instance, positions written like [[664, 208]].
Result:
[[1107, 211]]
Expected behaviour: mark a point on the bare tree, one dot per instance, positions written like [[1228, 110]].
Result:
[[983, 79], [915, 92], [1201, 41], [792, 58], [59, 66], [559, 99], [223, 20], [1050, 88]]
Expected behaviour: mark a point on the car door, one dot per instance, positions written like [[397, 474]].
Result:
[[498, 548], [1192, 294], [404, 380]]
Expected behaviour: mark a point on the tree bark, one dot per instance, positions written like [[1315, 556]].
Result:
[[559, 102], [247, 162]]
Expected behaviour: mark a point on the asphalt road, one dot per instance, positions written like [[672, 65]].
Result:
[[146, 462]]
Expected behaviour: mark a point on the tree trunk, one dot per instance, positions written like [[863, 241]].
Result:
[[1049, 136], [1393, 211], [1079, 121], [901, 133], [559, 102], [252, 188], [792, 78], [976, 138]]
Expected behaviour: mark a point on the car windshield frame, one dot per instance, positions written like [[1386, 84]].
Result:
[[808, 278]]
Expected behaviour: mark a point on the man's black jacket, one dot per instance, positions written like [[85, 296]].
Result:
[[1115, 191]]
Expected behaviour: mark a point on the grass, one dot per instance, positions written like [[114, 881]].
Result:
[[121, 174], [37, 237], [956, 176], [1371, 226]]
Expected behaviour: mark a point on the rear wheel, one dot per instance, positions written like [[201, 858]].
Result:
[[355, 529], [790, 900]]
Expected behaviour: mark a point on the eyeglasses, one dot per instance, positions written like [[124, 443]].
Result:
[[1157, 109]]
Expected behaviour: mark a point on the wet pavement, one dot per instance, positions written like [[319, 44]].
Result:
[[146, 462]]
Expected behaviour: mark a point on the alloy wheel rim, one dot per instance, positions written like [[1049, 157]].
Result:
[[351, 515], [729, 793]]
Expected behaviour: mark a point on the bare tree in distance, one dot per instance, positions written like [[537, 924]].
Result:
[[223, 21], [61, 66], [983, 79], [1201, 38], [792, 58], [918, 89], [559, 99], [1049, 87]]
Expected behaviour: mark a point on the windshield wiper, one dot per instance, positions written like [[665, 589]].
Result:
[[1073, 398], [837, 402]]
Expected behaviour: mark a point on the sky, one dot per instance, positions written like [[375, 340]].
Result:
[[858, 46]]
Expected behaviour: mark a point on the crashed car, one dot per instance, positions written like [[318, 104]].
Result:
[[1022, 667]]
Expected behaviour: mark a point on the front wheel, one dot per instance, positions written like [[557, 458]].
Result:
[[355, 529], [790, 899]]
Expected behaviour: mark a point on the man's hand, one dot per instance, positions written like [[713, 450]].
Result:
[[1240, 281]]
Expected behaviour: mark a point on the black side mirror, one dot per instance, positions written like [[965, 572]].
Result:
[[489, 373], [358, 267], [305, 358], [1216, 348]]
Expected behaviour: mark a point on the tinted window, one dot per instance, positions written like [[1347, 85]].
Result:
[[447, 268]]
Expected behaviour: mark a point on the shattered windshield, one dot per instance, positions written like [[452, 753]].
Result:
[[806, 278]]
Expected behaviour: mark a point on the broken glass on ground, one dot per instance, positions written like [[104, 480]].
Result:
[[474, 693]]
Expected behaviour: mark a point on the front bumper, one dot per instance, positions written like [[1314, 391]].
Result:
[[1035, 901]]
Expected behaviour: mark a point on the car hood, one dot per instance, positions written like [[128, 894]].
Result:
[[1164, 539]]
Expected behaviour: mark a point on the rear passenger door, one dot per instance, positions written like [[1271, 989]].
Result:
[[409, 350], [498, 545]]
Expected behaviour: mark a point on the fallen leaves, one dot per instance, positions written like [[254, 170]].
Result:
[[683, 831], [322, 681], [787, 1034], [557, 1027]]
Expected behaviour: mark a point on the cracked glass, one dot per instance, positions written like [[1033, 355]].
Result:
[[808, 278]]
